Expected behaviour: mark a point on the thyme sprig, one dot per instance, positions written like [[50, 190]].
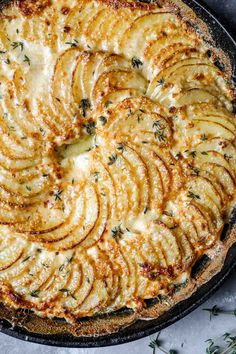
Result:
[[230, 348], [212, 348], [159, 131], [156, 344], [216, 311], [90, 127], [204, 137], [26, 60]]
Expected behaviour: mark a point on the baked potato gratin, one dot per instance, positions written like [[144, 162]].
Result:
[[117, 156]]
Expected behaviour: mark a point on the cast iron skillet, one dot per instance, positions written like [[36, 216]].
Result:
[[140, 329]]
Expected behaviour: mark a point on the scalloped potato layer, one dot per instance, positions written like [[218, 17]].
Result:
[[117, 155]]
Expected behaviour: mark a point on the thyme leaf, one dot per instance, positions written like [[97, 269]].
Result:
[[58, 194], [156, 344], [26, 60], [212, 348], [192, 195], [112, 159], [121, 147], [216, 311], [159, 131], [35, 293], [15, 45], [84, 105], [117, 232], [136, 62], [103, 120], [73, 43], [204, 137], [193, 153], [161, 82]]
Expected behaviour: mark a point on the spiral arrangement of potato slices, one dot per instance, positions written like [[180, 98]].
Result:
[[117, 154]]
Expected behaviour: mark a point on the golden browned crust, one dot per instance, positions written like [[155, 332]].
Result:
[[31, 7]]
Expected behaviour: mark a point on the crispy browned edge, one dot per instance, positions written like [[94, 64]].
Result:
[[110, 323]]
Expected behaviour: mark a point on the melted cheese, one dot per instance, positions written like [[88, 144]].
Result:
[[117, 156]]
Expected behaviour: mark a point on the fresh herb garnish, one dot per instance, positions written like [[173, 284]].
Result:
[[204, 137], [26, 259], [193, 153], [45, 265], [62, 266], [160, 135], [159, 131], [161, 82], [136, 62], [121, 147], [193, 195], [116, 232], [90, 127], [103, 120], [95, 175], [15, 45], [156, 344], [216, 311], [107, 104], [146, 1], [84, 105], [69, 259], [168, 213], [228, 157], [42, 131], [73, 43], [26, 60], [212, 348], [58, 194], [195, 171], [231, 343], [35, 293], [112, 159]]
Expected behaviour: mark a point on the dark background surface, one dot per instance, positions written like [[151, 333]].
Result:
[[226, 10]]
